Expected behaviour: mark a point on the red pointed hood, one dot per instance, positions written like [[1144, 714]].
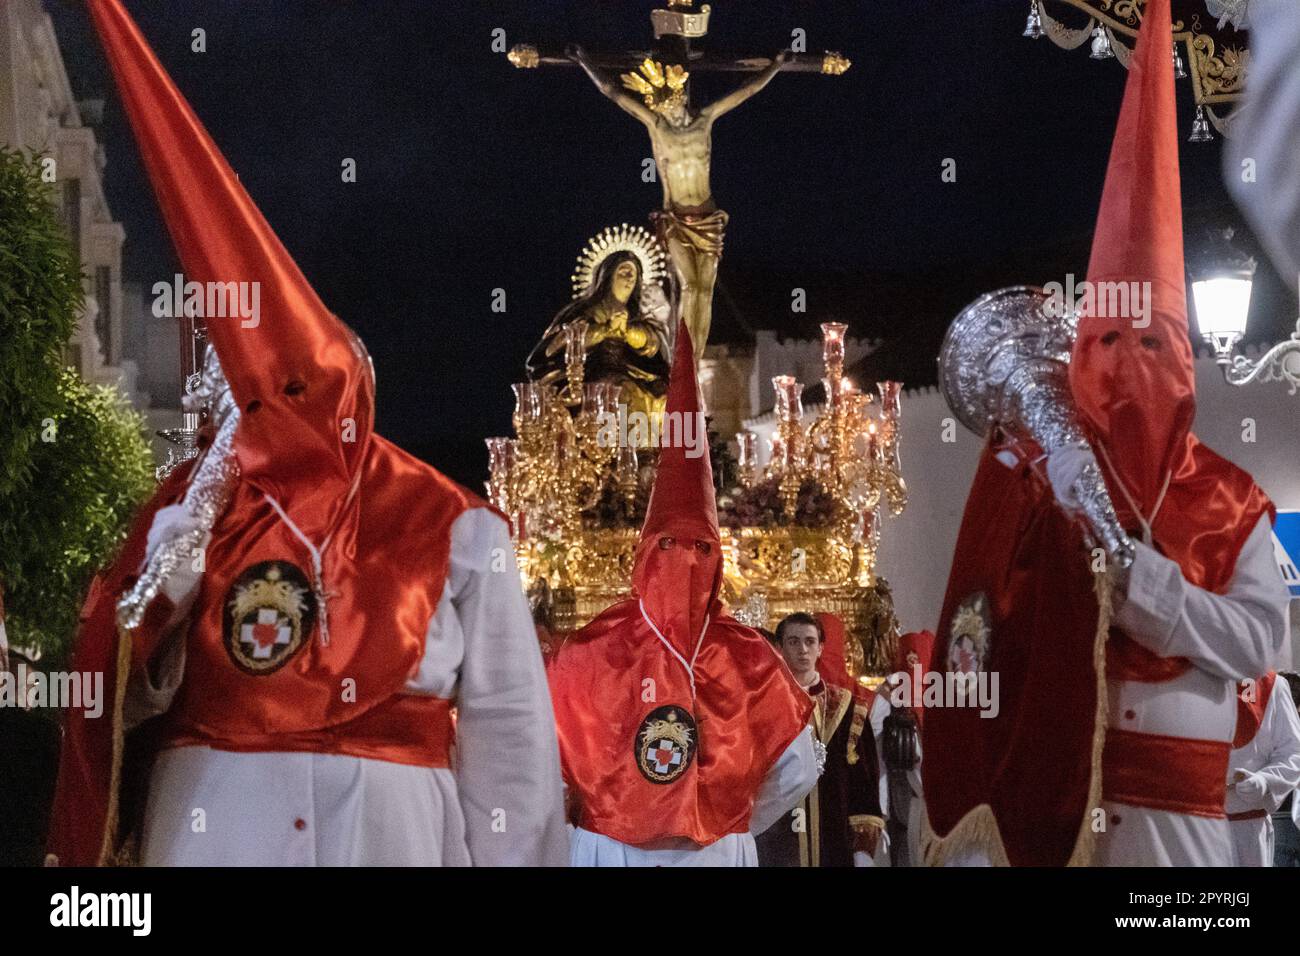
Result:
[[302, 379], [1131, 372], [914, 650], [678, 568]]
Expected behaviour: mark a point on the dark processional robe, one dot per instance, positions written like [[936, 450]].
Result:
[[842, 813]]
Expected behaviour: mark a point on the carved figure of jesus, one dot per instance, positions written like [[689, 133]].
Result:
[[690, 224]]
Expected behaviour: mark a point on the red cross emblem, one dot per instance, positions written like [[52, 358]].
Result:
[[267, 631], [665, 744], [665, 755]]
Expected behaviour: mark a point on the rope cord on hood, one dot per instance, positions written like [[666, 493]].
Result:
[[317, 560], [690, 667], [1146, 523]]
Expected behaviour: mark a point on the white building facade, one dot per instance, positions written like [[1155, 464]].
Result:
[[40, 116]]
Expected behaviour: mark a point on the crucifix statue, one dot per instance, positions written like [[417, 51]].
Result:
[[654, 88]]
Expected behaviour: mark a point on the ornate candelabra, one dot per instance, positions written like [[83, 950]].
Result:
[[562, 459], [788, 452], [850, 451]]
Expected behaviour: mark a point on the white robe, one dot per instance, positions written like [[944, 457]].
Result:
[[1273, 757], [500, 804], [1241, 633], [794, 774], [1266, 131]]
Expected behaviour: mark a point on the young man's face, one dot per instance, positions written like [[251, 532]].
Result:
[[801, 648]]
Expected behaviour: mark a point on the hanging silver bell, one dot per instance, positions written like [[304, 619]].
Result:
[[1180, 71], [1034, 23], [1101, 44], [1201, 132]]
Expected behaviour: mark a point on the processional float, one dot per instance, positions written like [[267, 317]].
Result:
[[799, 533]]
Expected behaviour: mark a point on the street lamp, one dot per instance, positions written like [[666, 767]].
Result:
[[1222, 297]]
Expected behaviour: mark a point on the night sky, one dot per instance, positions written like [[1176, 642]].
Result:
[[473, 175]]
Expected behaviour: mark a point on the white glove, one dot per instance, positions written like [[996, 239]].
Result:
[[169, 524], [1251, 787], [1064, 466]]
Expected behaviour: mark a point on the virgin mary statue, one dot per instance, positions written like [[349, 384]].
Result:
[[620, 291]]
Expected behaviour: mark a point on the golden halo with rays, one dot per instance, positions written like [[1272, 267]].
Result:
[[638, 240]]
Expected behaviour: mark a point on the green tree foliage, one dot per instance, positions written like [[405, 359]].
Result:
[[40, 297], [74, 463]]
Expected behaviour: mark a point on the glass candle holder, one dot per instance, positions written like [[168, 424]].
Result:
[[496, 455], [777, 448], [833, 385], [789, 398], [593, 395], [575, 343], [747, 456], [747, 445], [833, 347], [891, 399], [613, 391]]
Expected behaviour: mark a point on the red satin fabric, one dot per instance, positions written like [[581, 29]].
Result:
[[748, 710], [388, 583], [678, 563], [81, 795], [831, 665], [1032, 763], [305, 388], [1211, 508], [613, 674], [1136, 387], [301, 377], [679, 610], [1250, 713], [1173, 774], [406, 729], [912, 656]]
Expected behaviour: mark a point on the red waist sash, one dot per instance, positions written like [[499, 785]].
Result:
[[406, 729], [1248, 815], [1176, 774]]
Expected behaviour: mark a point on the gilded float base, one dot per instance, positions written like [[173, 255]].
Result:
[[779, 570]]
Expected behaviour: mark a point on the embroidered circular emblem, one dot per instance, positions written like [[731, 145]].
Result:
[[968, 635], [665, 744], [269, 614]]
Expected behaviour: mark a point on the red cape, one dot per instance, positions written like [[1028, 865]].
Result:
[[614, 674], [1028, 775]]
